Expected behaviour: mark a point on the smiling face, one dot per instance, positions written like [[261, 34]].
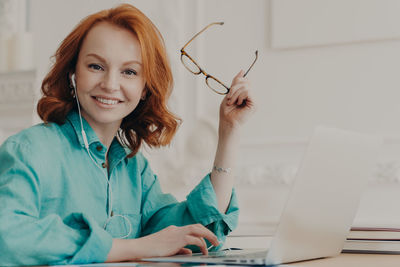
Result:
[[109, 75]]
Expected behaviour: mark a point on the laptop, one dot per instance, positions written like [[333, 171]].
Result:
[[321, 206]]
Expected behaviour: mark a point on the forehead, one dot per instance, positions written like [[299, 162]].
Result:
[[111, 42]]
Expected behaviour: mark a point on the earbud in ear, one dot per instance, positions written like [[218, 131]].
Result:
[[73, 81]]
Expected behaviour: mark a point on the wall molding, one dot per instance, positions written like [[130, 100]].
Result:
[[385, 172], [280, 173], [311, 23], [16, 101], [17, 88]]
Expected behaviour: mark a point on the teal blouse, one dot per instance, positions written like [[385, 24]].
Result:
[[53, 199]]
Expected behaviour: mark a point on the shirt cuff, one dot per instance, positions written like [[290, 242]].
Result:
[[97, 245], [203, 206]]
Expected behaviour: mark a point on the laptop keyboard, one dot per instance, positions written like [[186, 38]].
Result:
[[235, 254]]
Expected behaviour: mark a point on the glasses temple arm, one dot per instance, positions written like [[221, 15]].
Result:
[[197, 34], [252, 64]]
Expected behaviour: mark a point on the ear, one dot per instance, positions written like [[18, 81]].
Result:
[[72, 80], [144, 94]]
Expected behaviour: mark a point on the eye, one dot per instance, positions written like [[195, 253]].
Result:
[[129, 72], [95, 67]]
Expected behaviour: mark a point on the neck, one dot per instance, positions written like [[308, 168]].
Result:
[[104, 131], [106, 134]]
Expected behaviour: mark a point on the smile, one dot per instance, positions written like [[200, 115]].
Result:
[[106, 100]]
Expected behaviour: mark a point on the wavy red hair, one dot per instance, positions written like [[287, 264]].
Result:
[[151, 121]]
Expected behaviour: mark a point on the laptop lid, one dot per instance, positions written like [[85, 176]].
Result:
[[322, 203], [324, 196]]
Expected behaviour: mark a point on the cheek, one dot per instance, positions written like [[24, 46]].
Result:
[[135, 96], [134, 91], [83, 82]]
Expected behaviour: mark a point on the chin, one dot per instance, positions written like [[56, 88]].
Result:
[[107, 118]]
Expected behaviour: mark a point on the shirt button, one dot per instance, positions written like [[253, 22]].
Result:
[[104, 165], [99, 148]]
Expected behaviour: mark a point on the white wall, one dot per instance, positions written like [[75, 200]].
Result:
[[349, 82]]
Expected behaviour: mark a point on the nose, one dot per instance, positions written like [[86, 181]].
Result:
[[110, 81]]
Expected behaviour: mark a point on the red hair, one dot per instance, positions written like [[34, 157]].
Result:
[[151, 121]]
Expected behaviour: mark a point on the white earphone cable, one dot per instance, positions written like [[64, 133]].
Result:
[[109, 215]]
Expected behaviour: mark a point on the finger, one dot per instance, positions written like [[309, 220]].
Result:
[[238, 78], [239, 75], [209, 235], [185, 251], [236, 94], [197, 241], [242, 97], [236, 86], [200, 230]]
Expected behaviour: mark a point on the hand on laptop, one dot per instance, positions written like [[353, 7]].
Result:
[[172, 240]]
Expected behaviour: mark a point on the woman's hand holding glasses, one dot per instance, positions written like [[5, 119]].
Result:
[[237, 105]]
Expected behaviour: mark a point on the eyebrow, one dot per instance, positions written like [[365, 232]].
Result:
[[102, 59]]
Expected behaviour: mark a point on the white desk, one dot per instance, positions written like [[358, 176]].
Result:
[[343, 260], [353, 260]]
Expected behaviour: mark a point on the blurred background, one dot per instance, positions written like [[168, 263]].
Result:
[[330, 62]]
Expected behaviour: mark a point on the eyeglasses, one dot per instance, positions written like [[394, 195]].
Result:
[[192, 66]]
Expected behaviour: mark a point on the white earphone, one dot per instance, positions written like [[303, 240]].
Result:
[[109, 217], [73, 81]]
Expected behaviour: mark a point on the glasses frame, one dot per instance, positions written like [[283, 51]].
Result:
[[208, 76]]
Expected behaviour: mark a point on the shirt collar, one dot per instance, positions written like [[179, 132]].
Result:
[[73, 118], [116, 151]]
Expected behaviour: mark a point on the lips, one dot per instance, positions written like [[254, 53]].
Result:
[[106, 100]]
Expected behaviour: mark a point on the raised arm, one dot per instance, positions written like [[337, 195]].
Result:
[[235, 108]]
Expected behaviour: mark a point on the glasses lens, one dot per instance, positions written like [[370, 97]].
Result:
[[216, 86], [190, 65]]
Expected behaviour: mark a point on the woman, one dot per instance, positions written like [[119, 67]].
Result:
[[76, 189]]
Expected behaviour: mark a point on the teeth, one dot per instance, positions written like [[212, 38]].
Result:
[[107, 101]]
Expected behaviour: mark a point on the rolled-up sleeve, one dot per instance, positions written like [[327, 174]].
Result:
[[160, 210], [202, 204], [28, 239]]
